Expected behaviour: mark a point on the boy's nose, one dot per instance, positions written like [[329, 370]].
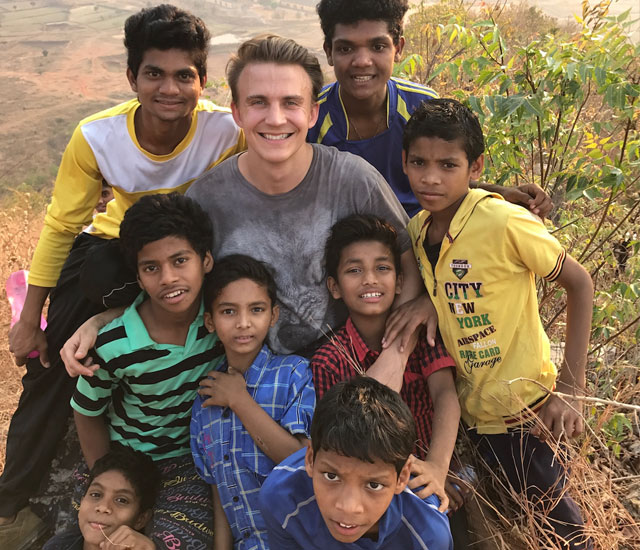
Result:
[[349, 502], [103, 508], [169, 86], [275, 115], [243, 320], [362, 58]]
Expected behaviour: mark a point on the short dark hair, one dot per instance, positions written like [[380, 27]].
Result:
[[271, 48], [155, 217], [364, 419], [349, 12], [165, 27], [354, 229], [446, 119], [137, 468], [233, 268]]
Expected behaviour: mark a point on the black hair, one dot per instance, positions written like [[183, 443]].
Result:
[[136, 467], [446, 119], [165, 27], [354, 229], [155, 217], [349, 12], [364, 419], [271, 48], [233, 268]]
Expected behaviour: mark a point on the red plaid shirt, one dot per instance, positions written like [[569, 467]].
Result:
[[333, 362]]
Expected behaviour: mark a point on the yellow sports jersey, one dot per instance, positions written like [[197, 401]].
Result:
[[485, 294], [104, 146]]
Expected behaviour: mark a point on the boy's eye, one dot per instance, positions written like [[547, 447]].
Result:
[[122, 501], [150, 268], [344, 49], [417, 162], [384, 268], [257, 309], [375, 486], [353, 270], [186, 76], [379, 47], [180, 260], [94, 494], [227, 311], [330, 476]]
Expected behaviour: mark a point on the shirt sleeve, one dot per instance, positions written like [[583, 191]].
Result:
[[301, 400], [433, 358], [278, 536], [326, 366], [529, 240], [76, 191], [93, 393], [197, 436]]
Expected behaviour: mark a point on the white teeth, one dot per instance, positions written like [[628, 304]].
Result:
[[347, 526], [371, 295], [173, 294], [362, 78], [275, 137]]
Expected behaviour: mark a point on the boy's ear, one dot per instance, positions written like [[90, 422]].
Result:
[[334, 288], [142, 520], [275, 314], [139, 281], [132, 80], [399, 283], [308, 461], [404, 162], [476, 168], [208, 322], [399, 47], [328, 51], [235, 114], [207, 262], [403, 477]]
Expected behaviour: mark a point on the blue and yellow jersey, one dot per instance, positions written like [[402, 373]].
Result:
[[383, 151]]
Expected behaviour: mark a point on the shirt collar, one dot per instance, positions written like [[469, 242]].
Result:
[[257, 369], [357, 343]]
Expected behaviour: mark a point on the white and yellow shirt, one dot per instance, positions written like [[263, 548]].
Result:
[[104, 145], [485, 294]]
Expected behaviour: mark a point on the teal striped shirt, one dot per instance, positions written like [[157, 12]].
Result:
[[147, 389]]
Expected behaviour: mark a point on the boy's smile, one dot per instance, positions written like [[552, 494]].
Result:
[[352, 494], [275, 110], [171, 272], [110, 502], [367, 281], [439, 174], [362, 56], [241, 316]]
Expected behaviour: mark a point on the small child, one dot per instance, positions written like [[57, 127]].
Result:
[[106, 194], [255, 411], [348, 489], [362, 260], [151, 360], [478, 256], [117, 505]]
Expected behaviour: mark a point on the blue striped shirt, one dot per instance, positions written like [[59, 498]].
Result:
[[225, 454], [383, 151]]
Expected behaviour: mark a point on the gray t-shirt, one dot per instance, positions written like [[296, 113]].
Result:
[[288, 232]]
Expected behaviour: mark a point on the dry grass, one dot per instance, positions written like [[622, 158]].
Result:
[[20, 224]]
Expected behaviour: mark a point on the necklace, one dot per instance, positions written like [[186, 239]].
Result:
[[358, 134]]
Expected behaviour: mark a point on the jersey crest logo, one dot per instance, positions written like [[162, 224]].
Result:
[[460, 268]]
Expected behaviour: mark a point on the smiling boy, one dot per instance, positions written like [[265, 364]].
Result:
[[151, 361], [348, 489], [159, 142]]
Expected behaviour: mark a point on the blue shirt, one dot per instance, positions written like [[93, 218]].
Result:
[[294, 521], [225, 454], [383, 151]]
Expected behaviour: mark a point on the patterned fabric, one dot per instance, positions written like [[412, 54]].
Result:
[[105, 146], [146, 388], [484, 290], [383, 151], [294, 521], [225, 454], [334, 362]]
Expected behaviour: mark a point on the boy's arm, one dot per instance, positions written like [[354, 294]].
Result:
[[560, 417], [529, 196], [26, 335], [222, 537], [93, 435], [432, 473], [77, 347], [230, 390]]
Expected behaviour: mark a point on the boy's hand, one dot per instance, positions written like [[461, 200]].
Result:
[[125, 537], [562, 418], [223, 389], [457, 491], [406, 318], [530, 196], [432, 478], [25, 337]]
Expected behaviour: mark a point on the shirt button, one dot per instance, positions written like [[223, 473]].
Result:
[[226, 457], [225, 414], [246, 535], [235, 499]]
